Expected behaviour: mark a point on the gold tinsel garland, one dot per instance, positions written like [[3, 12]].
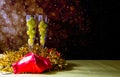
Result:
[[11, 56]]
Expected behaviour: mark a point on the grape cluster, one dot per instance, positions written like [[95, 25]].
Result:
[[42, 31], [31, 30]]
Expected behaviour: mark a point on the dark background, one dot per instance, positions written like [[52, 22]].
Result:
[[105, 20], [73, 40]]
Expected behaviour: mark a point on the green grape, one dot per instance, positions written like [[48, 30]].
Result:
[[28, 32], [31, 21], [42, 34], [42, 31], [33, 32], [41, 24], [32, 36], [28, 22], [30, 41], [42, 38], [31, 24], [30, 27], [42, 42], [45, 26]]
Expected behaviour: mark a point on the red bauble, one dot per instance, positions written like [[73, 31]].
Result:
[[31, 63]]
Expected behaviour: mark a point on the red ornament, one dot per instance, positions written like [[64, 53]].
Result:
[[31, 63]]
